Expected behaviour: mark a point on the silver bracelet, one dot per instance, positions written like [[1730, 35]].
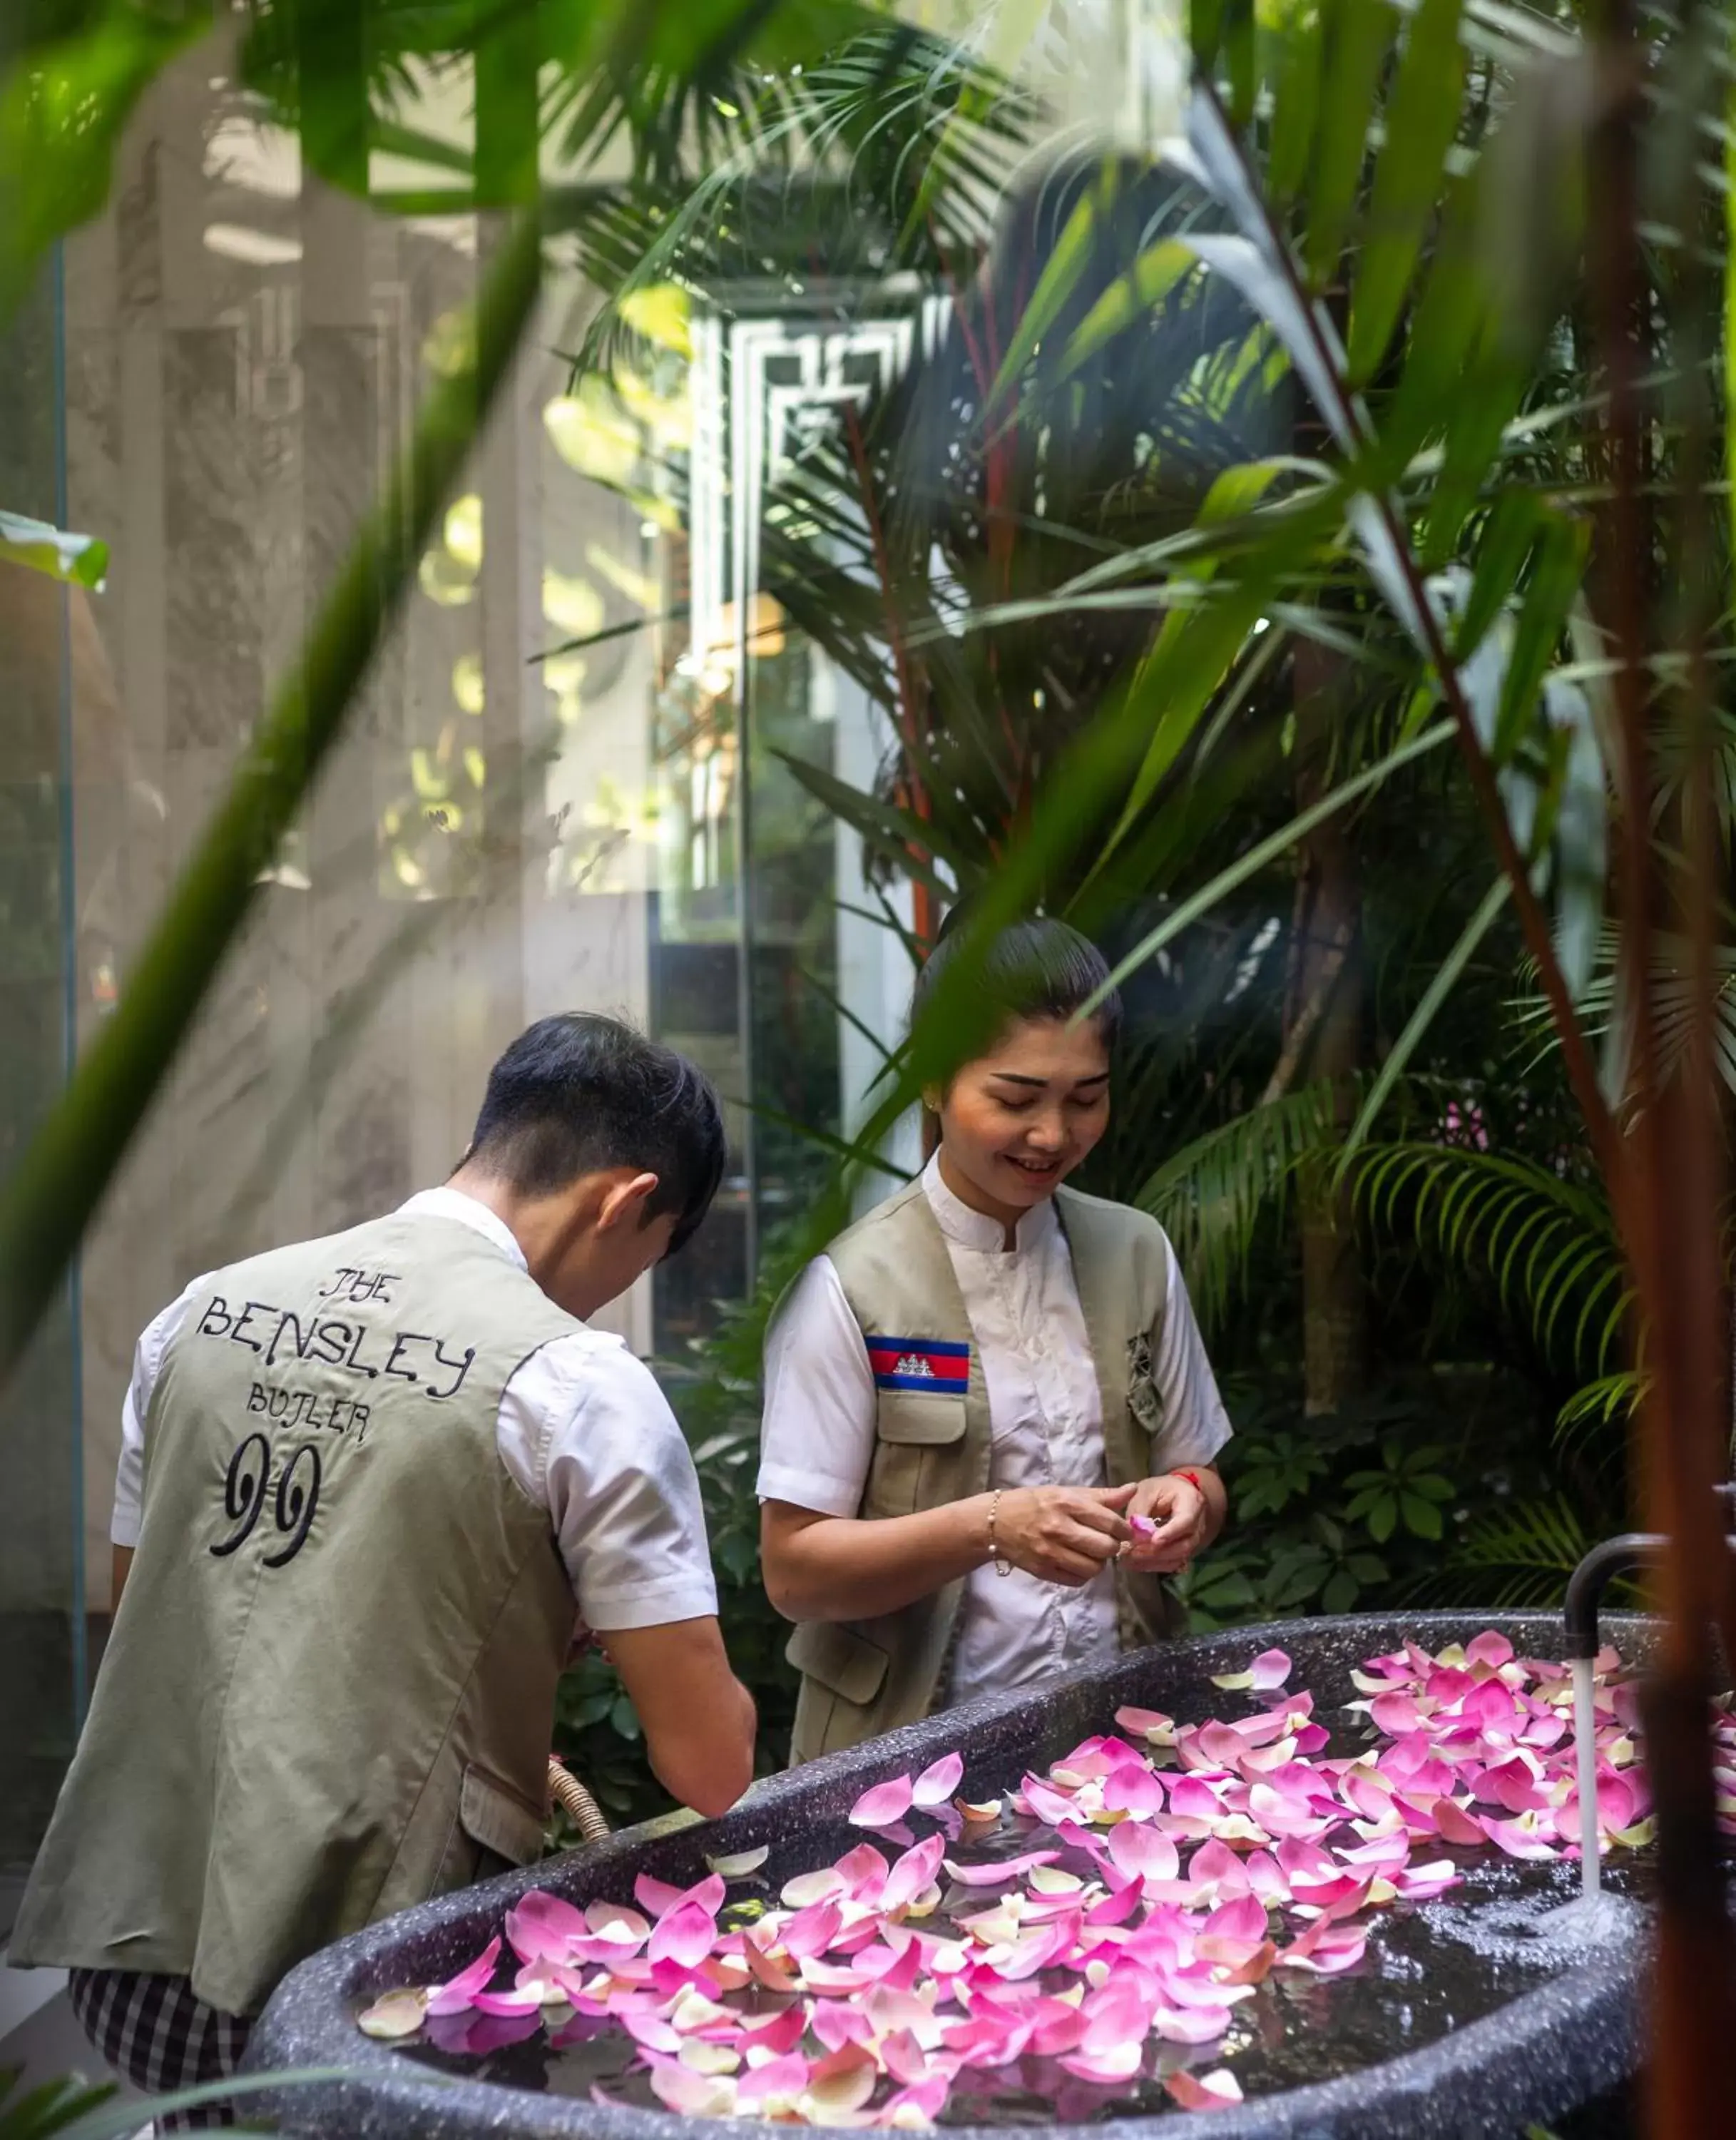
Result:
[[1001, 1567]]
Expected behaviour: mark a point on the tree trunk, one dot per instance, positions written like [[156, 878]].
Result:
[[1323, 1032]]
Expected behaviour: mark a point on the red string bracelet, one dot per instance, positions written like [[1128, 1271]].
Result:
[[1192, 1478]]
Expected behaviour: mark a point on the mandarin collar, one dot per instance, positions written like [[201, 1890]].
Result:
[[977, 1229], [446, 1202]]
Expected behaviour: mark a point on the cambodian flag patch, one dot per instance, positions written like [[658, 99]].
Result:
[[919, 1363]]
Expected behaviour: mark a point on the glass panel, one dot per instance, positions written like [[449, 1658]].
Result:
[[41, 1630]]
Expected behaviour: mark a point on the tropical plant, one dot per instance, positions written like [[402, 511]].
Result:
[[1440, 535], [1497, 525], [69, 2108]]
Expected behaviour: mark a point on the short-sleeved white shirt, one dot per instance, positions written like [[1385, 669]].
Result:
[[1045, 1412], [583, 1429]]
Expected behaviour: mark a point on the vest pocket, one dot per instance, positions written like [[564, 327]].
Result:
[[913, 1418], [499, 1819], [844, 1662], [918, 1438]]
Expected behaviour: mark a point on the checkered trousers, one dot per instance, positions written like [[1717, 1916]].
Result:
[[154, 2030]]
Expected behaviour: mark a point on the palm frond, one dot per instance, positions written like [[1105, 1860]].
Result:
[[1605, 1014], [1211, 1196], [1526, 1552], [1549, 1244], [889, 152]]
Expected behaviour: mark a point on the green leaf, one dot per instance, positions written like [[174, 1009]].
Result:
[[1267, 851], [1556, 574], [1239, 48], [1295, 103], [63, 106], [1446, 325], [99, 2114], [1382, 1518], [1422, 117], [1227, 1592], [1067, 263], [1153, 276], [1421, 1517], [624, 1721], [79, 560], [1359, 33], [1501, 550], [884, 825]]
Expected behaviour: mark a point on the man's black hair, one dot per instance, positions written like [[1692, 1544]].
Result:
[[579, 1092], [1036, 968]]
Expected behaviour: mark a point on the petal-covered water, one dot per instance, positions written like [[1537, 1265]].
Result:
[[1170, 1914]]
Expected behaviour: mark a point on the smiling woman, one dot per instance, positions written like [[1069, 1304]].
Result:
[[989, 1421]]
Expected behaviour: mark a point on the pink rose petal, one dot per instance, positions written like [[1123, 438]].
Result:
[[1049, 1805], [919, 2104], [1119, 2063], [1454, 1825], [863, 1872], [656, 1896], [1269, 1670], [998, 1871], [528, 2000], [1519, 1842], [685, 1936], [884, 1804], [812, 1931], [456, 1994], [1397, 1715], [842, 2081], [936, 1783], [1133, 1790], [541, 1926], [1143, 1854], [1191, 2024], [694, 2095], [1144, 1723], [911, 1874], [1213, 2091], [775, 2085]]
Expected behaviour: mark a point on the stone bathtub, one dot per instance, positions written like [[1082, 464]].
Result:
[[1565, 2044]]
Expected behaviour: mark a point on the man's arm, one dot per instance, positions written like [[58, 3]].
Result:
[[698, 1719], [623, 1498], [129, 1471]]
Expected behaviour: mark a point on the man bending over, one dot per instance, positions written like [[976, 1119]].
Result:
[[367, 1484]]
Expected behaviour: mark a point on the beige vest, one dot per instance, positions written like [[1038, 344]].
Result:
[[862, 1677], [331, 1684]]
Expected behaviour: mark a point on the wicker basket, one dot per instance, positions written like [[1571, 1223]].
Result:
[[568, 1793]]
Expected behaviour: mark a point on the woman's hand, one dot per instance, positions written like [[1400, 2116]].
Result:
[[1063, 1534], [1183, 1516]]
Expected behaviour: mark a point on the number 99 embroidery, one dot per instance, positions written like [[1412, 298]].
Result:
[[247, 1484]]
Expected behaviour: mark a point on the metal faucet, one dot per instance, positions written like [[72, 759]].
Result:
[[1603, 1563]]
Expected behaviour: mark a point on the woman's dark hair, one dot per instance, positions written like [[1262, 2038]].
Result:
[[581, 1092], [1036, 968]]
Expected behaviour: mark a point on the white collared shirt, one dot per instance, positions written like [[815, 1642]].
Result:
[[1045, 1412], [583, 1429]]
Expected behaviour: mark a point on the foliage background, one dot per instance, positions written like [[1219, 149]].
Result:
[[1419, 1342], [1105, 508]]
